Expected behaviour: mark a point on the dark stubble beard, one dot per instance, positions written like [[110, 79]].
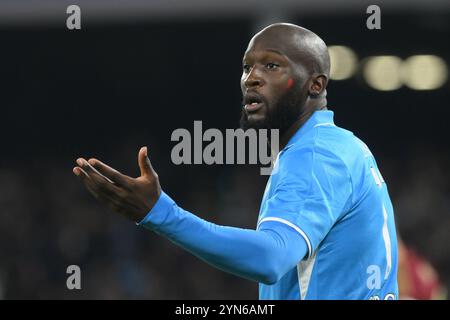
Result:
[[281, 115]]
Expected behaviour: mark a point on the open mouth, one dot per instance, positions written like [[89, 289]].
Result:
[[252, 103]]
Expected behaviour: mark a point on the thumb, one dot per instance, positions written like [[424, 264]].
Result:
[[144, 164]]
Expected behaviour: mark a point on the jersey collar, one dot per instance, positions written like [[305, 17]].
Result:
[[318, 118]]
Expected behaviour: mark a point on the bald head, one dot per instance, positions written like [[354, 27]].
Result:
[[300, 45]]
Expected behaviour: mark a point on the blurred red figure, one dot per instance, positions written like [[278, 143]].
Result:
[[417, 278]]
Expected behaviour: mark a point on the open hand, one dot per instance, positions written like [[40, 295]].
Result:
[[132, 197]]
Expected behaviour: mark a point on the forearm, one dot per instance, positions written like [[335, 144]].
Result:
[[264, 255]]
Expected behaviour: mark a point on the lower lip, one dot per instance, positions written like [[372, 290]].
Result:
[[253, 107]]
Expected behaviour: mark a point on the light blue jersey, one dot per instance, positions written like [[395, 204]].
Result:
[[326, 227], [326, 185]]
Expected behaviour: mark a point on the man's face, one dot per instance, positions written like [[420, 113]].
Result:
[[273, 86]]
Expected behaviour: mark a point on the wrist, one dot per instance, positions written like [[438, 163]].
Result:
[[156, 216]]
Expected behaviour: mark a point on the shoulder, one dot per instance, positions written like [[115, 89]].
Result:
[[336, 141], [340, 144], [328, 149], [327, 142]]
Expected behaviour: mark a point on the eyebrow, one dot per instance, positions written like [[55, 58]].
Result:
[[274, 51]]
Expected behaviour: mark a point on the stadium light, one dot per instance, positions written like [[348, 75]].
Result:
[[343, 62], [424, 72], [383, 72]]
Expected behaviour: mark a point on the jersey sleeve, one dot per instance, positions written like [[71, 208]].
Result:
[[312, 190], [264, 255]]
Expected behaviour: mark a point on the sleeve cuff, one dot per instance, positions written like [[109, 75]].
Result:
[[159, 213]]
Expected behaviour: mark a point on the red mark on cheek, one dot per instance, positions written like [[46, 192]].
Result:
[[290, 83]]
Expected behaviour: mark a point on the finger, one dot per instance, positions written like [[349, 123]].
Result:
[[97, 181], [88, 169], [80, 173], [112, 175], [103, 189], [77, 171], [100, 188], [144, 164], [86, 179]]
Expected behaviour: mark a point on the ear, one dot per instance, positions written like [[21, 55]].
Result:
[[318, 85]]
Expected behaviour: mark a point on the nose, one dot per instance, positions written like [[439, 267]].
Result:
[[253, 80]]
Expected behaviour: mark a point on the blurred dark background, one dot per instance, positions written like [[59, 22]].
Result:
[[124, 81]]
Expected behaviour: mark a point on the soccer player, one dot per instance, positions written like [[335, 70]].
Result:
[[326, 226]]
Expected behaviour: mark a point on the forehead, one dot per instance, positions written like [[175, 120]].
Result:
[[272, 43]]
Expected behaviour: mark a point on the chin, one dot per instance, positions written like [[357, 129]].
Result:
[[254, 123], [256, 120]]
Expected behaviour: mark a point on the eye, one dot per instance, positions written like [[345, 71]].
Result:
[[246, 67], [272, 65]]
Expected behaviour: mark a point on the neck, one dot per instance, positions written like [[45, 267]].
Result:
[[284, 139]]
